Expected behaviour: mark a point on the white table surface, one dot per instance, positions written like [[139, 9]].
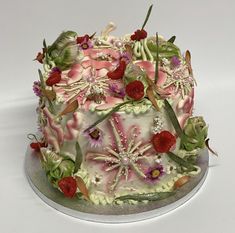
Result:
[[204, 26]]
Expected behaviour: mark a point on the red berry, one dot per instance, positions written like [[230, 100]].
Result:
[[37, 145], [139, 35], [68, 186], [54, 78], [80, 39], [118, 73], [135, 90], [163, 141]]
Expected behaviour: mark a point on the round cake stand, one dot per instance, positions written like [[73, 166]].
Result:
[[109, 213]]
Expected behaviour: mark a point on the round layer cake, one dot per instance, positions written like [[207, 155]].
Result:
[[115, 116]]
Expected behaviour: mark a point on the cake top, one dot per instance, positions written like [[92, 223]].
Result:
[[99, 72]]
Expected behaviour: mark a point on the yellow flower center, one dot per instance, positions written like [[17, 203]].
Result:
[[155, 173]]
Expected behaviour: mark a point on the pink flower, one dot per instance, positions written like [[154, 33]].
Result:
[[95, 137], [87, 81]]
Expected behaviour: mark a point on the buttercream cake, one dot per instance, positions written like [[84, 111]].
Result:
[[115, 117]]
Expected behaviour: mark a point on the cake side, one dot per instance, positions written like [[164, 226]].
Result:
[[115, 115]]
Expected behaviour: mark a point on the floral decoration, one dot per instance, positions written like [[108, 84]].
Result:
[[84, 42], [118, 72], [54, 77], [153, 174], [135, 90], [68, 186], [37, 88], [126, 155], [139, 35], [95, 137], [163, 141]]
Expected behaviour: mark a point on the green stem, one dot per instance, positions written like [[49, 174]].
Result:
[[147, 16], [78, 159], [115, 109], [157, 60]]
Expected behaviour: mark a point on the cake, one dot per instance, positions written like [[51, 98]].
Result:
[[116, 117]]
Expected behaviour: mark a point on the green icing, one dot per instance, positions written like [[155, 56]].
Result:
[[56, 166], [146, 196], [196, 133], [64, 51], [166, 49]]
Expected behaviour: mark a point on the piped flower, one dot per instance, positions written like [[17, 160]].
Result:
[[37, 88], [116, 91], [84, 42], [175, 62], [118, 73], [54, 77], [68, 186], [95, 137], [163, 141], [139, 35], [80, 39], [153, 174], [135, 90]]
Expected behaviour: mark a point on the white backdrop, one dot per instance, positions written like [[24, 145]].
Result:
[[206, 27]]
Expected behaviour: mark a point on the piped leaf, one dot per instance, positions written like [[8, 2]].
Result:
[[173, 118], [181, 181], [51, 95], [82, 187], [79, 157], [181, 161], [188, 61], [172, 39], [146, 196], [41, 79], [70, 108], [147, 16], [151, 97]]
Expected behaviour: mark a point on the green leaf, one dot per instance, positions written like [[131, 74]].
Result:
[[41, 78], [115, 109], [63, 39], [147, 16], [173, 118], [172, 39], [146, 196], [45, 45], [79, 157], [181, 161]]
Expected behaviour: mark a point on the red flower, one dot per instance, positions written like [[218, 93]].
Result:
[[37, 145], [81, 39], [139, 35], [54, 77], [163, 141], [135, 90], [68, 186], [118, 72]]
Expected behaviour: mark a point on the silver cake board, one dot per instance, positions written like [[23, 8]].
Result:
[[109, 213]]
